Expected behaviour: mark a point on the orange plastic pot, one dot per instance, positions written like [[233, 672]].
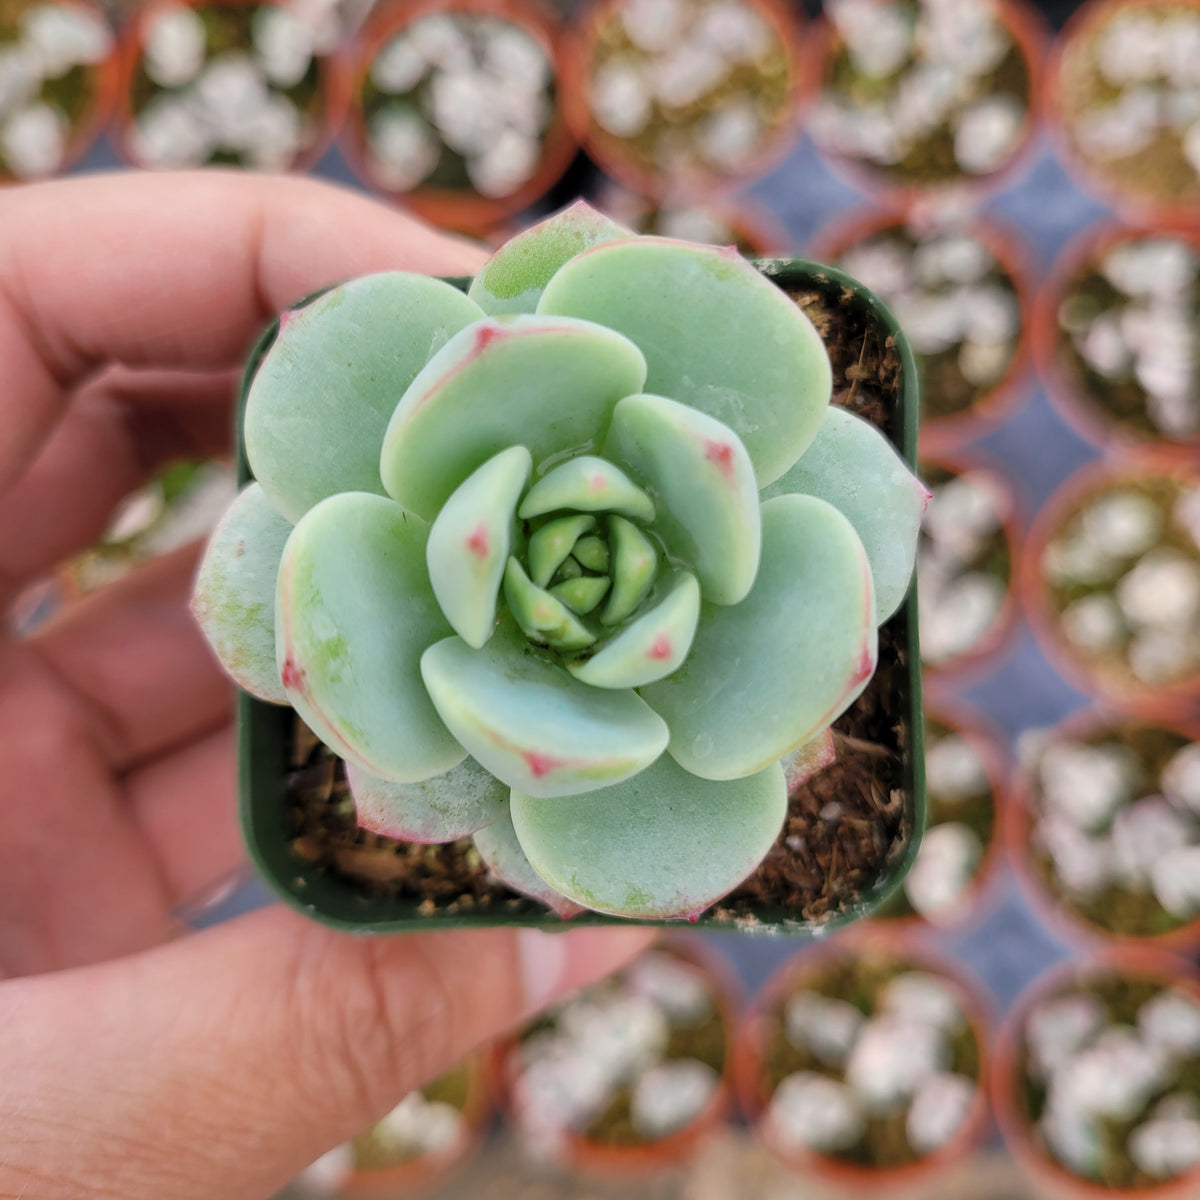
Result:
[[615, 156], [1174, 703], [1053, 1180], [419, 1175], [453, 207], [1066, 387], [1028, 30], [1134, 205], [974, 904], [1065, 922], [332, 85], [602, 1161], [997, 403], [852, 1180], [984, 654], [105, 83]]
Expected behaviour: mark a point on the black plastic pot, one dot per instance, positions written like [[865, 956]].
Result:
[[265, 730]]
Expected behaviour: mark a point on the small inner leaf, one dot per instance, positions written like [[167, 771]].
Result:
[[581, 595], [569, 568], [550, 545], [587, 484], [652, 646], [543, 617], [592, 552], [635, 565], [471, 540], [703, 479]]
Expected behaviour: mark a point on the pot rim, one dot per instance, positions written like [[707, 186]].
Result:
[[1172, 703], [451, 207], [1037, 1164], [1067, 391], [1054, 912], [1084, 21], [332, 84], [903, 946]]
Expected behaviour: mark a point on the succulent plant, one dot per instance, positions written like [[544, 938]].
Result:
[[570, 562]]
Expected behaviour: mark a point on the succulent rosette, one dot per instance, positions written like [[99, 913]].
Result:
[[571, 561]]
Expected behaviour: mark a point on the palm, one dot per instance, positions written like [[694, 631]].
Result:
[[117, 799]]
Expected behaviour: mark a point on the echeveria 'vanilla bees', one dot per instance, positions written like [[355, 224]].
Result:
[[570, 562]]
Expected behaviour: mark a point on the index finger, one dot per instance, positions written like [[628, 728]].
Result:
[[175, 270]]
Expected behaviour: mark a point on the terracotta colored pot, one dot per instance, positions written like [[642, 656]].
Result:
[[985, 652], [995, 403], [631, 162], [1129, 197], [1027, 29], [420, 1174], [103, 82], [456, 203], [845, 1178], [1055, 912], [973, 904], [330, 89], [601, 1160], [1052, 1179], [1115, 687], [751, 227], [1063, 376]]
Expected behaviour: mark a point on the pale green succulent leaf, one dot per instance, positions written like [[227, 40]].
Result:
[[702, 480], [634, 569], [512, 280], [526, 720], [506, 862], [324, 393], [541, 615], [808, 760], [550, 545], [546, 383], [442, 808], [471, 540], [651, 646], [582, 593], [716, 335], [853, 466], [587, 484], [768, 674], [592, 552], [662, 844], [234, 596], [353, 613], [569, 568]]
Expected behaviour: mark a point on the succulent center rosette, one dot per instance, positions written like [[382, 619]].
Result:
[[570, 563]]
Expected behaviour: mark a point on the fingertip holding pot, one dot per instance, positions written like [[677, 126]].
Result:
[[633, 1075], [1082, 1062], [862, 1064]]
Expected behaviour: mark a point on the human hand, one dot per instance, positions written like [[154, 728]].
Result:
[[135, 1063]]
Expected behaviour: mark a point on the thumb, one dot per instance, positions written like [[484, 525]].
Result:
[[222, 1064]]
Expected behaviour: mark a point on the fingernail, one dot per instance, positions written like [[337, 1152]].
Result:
[[543, 966]]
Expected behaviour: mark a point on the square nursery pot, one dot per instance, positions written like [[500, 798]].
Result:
[[814, 879]]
